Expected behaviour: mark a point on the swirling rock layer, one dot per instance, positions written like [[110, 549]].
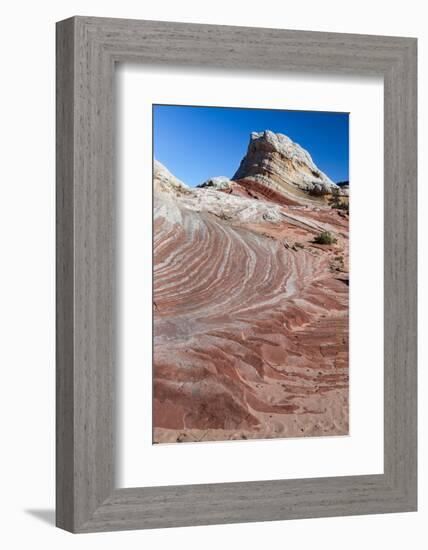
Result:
[[250, 316]]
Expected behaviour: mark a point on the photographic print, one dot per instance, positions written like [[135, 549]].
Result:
[[250, 273]]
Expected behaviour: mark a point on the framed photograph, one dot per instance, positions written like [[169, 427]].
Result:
[[236, 274]]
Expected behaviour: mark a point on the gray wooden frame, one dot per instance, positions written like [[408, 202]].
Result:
[[87, 50]]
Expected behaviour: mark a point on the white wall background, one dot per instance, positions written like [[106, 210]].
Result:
[[27, 272]]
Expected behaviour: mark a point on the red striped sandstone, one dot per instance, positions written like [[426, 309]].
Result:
[[250, 316]]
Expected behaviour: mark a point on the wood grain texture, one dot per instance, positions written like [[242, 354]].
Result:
[[64, 277], [87, 49]]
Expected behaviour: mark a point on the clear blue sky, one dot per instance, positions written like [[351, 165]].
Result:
[[196, 143]]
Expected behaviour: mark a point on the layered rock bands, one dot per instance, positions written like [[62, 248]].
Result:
[[250, 307]]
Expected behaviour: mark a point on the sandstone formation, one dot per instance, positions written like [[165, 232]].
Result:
[[344, 188], [219, 182], [250, 314], [274, 162], [165, 182]]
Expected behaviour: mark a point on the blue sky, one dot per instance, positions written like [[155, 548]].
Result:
[[196, 143]]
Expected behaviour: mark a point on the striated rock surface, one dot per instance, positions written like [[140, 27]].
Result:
[[165, 183], [274, 162], [250, 315]]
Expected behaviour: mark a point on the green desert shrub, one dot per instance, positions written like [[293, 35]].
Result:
[[325, 238]]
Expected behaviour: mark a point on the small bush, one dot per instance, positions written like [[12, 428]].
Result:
[[325, 238], [338, 202], [341, 206]]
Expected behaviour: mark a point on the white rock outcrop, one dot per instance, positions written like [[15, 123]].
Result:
[[165, 182], [220, 183], [278, 163], [172, 195]]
